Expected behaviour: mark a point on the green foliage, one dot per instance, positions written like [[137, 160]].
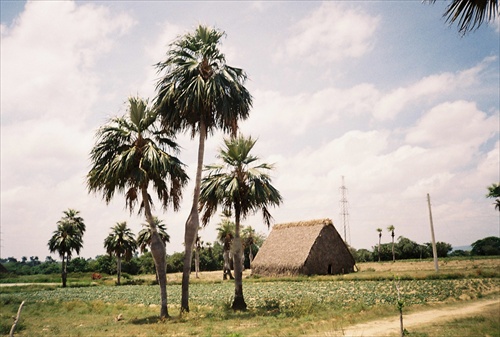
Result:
[[78, 265], [487, 246]]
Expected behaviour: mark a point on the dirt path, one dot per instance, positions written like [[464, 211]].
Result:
[[27, 284], [391, 326]]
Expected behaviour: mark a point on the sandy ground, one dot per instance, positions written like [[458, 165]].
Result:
[[391, 326]]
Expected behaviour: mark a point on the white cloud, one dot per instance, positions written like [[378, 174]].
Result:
[[47, 58], [331, 33], [454, 123], [430, 87]]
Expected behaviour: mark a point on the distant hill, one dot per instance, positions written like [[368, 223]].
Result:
[[464, 248]]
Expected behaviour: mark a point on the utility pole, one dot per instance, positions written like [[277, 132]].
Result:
[[344, 212], [434, 250]]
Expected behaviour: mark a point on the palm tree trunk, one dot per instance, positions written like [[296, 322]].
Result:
[[159, 254], [379, 237], [197, 261], [64, 273], [239, 301], [192, 223], [393, 255], [118, 268]]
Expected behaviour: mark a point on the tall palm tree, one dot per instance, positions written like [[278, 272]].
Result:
[[199, 92], [120, 243], [470, 14], [129, 155], [68, 237], [391, 229], [240, 185], [379, 230], [225, 235]]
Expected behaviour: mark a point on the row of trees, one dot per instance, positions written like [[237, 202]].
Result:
[[405, 248], [122, 247], [211, 255], [210, 259]]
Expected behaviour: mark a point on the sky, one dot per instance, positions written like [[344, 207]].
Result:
[[383, 94]]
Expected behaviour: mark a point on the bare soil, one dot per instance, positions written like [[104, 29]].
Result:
[[391, 326]]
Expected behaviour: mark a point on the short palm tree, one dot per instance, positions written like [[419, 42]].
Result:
[[120, 243], [68, 237], [144, 235], [391, 229], [379, 230], [240, 185], [130, 154], [225, 235], [199, 92], [470, 14], [248, 234]]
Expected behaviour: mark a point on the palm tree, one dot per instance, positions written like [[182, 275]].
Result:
[[470, 14], [197, 249], [68, 237], [391, 229], [201, 93], [225, 235], [248, 234], [130, 153], [238, 185], [144, 235], [120, 243], [379, 230], [494, 192]]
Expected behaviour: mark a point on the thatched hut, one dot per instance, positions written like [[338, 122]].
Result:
[[307, 247]]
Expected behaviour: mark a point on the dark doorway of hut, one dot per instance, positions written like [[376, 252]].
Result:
[[329, 269]]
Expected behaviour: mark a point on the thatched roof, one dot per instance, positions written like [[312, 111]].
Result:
[[289, 246]]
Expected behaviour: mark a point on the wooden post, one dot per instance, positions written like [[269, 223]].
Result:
[[434, 250], [16, 320]]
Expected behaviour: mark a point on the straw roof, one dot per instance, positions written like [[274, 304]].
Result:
[[301, 247]]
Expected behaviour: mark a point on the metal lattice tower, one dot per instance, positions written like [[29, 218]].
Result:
[[344, 212]]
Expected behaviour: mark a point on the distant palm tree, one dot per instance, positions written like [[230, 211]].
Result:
[[200, 92], [248, 234], [470, 14], [225, 235], [144, 235], [379, 230], [120, 243], [391, 229], [129, 155], [68, 237], [239, 185]]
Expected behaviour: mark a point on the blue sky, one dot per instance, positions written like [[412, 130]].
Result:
[[384, 93]]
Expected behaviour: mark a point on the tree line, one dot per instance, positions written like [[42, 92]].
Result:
[[211, 256]]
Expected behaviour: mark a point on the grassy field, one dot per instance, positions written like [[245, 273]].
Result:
[[317, 305]]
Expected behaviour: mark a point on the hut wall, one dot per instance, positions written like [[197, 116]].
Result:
[[329, 255]]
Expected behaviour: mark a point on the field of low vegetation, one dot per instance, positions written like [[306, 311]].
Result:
[[318, 305]]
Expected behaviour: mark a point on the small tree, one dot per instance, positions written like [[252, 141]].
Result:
[[379, 230], [225, 235], [120, 243], [68, 237], [391, 229]]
